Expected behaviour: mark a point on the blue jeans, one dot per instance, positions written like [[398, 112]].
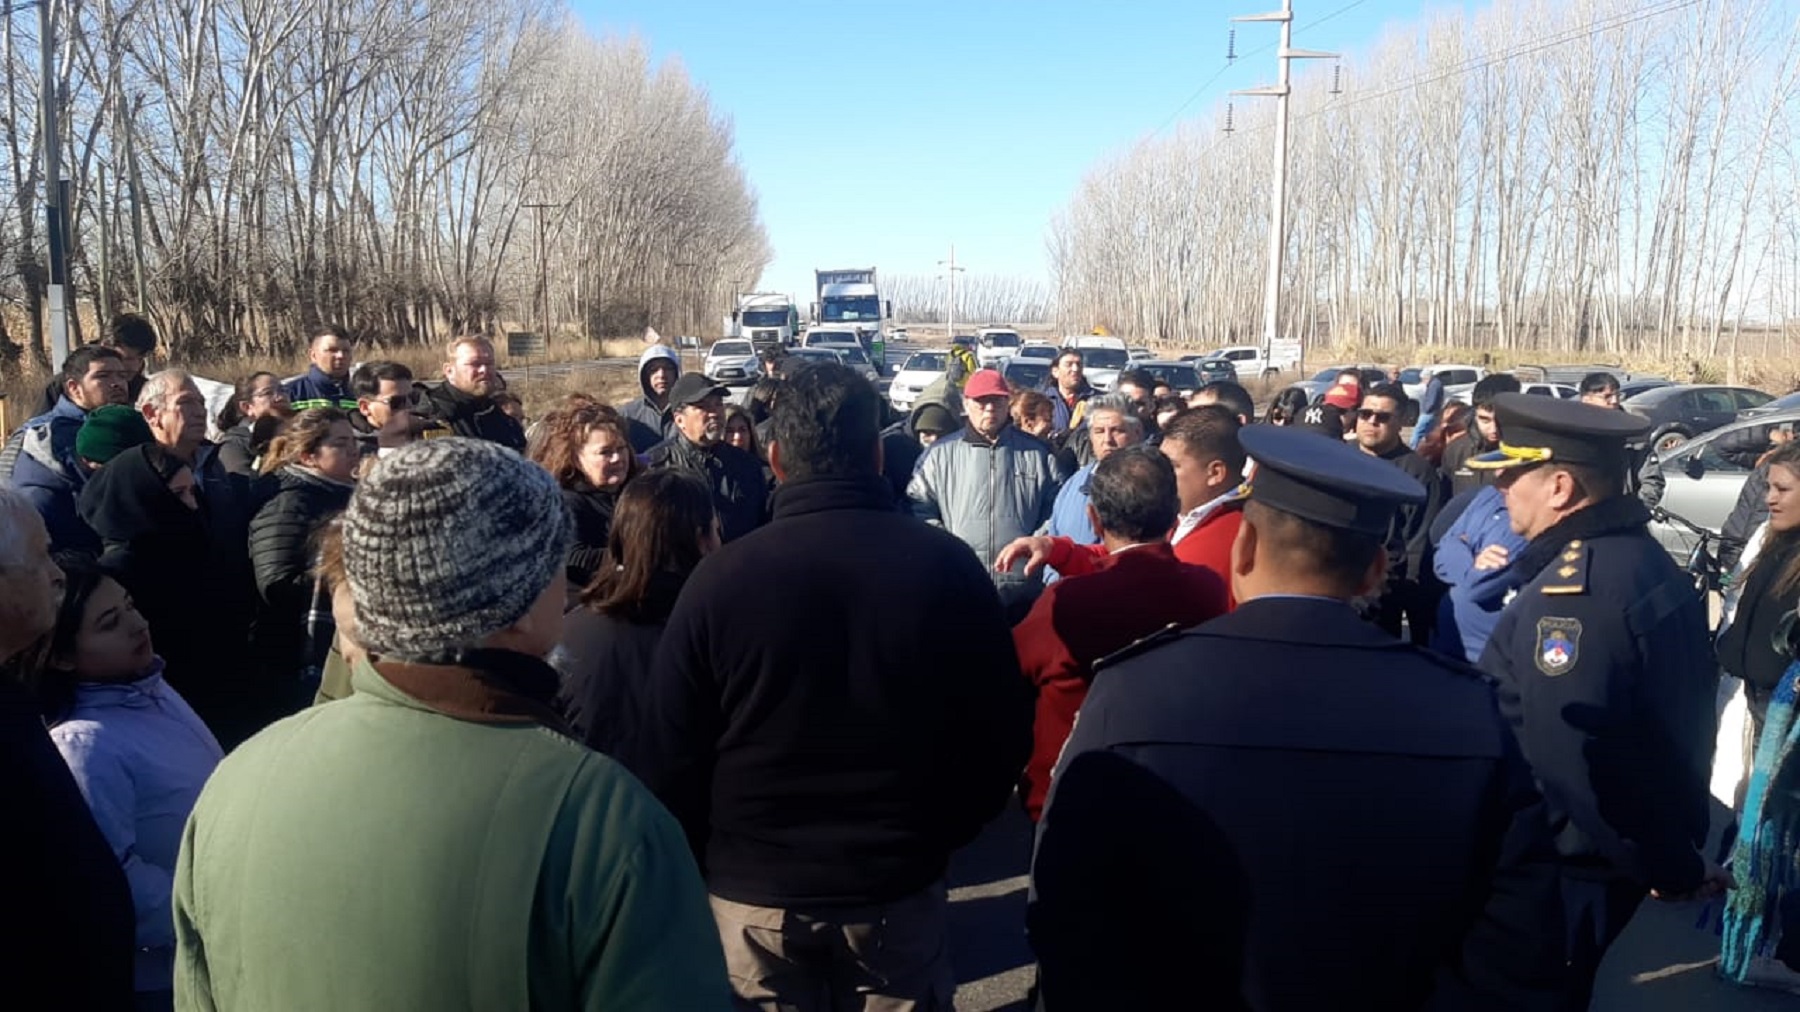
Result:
[[1422, 428]]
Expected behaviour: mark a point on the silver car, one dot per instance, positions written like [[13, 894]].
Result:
[[1701, 483]]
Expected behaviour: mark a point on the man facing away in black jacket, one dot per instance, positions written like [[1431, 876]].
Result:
[[836, 707]]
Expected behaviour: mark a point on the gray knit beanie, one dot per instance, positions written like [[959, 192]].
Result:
[[448, 541]]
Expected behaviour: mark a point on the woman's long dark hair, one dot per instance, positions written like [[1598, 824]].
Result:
[[1777, 544], [52, 686], [1286, 407], [735, 411], [656, 532]]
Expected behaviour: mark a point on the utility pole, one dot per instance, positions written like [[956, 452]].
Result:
[[136, 186], [543, 256], [55, 232], [950, 273], [1278, 186]]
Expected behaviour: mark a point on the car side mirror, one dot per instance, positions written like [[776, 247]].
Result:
[[1694, 466]]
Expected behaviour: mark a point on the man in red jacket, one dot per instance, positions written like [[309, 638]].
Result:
[[1202, 445], [1137, 588]]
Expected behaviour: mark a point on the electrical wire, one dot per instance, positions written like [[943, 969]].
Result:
[[1485, 62], [1209, 82]]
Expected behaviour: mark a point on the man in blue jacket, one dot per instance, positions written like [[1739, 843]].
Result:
[[40, 460], [1474, 550], [327, 383]]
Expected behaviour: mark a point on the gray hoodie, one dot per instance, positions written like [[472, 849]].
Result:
[[649, 423]]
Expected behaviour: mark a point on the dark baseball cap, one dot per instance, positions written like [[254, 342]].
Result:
[[693, 387]]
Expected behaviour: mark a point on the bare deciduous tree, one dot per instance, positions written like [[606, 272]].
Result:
[[275, 163], [1591, 174]]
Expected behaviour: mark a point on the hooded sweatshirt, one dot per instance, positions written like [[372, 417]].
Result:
[[900, 449], [41, 464], [649, 423]]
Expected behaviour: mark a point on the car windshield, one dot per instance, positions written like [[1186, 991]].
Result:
[[819, 337], [1002, 339], [1410, 375], [765, 317], [924, 361], [1103, 358], [1326, 375], [854, 356], [1026, 374], [732, 348], [1789, 403], [1044, 352], [1181, 377]]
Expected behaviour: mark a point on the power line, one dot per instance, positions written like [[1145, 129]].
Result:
[[1485, 62], [1230, 62]]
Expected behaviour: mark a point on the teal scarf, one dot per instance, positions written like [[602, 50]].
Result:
[[1767, 858]]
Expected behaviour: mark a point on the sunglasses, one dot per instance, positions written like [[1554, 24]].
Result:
[[397, 402], [1378, 417]]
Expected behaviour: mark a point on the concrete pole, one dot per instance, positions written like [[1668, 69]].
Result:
[[950, 314], [56, 292], [1278, 178]]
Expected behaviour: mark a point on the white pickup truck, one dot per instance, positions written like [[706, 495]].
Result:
[[1248, 360]]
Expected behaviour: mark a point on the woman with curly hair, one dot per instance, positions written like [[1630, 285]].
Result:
[[587, 449]]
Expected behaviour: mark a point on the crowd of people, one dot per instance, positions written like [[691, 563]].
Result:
[[390, 697]]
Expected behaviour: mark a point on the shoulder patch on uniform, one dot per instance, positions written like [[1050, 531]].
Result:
[[1142, 645], [1568, 574], [1558, 645]]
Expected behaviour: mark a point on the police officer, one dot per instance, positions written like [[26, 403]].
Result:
[[1604, 670], [1287, 808]]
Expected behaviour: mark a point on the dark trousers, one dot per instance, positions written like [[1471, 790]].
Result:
[[1595, 912], [1408, 611]]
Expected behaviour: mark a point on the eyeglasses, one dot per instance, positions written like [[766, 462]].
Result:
[[398, 402], [1378, 417]]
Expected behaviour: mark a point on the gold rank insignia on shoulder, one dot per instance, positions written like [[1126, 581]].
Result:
[[1570, 577]]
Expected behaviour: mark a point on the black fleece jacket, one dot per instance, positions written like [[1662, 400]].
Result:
[[836, 704]]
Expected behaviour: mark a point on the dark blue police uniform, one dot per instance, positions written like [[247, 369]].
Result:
[[1605, 670], [1286, 808]]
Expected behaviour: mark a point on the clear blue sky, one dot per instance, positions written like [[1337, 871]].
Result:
[[881, 131]]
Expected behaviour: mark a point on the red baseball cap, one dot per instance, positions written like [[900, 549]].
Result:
[[1345, 394], [986, 383]]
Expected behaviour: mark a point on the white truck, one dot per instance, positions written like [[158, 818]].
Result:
[[766, 320], [1249, 363], [851, 297], [995, 345]]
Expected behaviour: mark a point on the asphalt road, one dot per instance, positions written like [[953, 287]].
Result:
[[1664, 962]]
